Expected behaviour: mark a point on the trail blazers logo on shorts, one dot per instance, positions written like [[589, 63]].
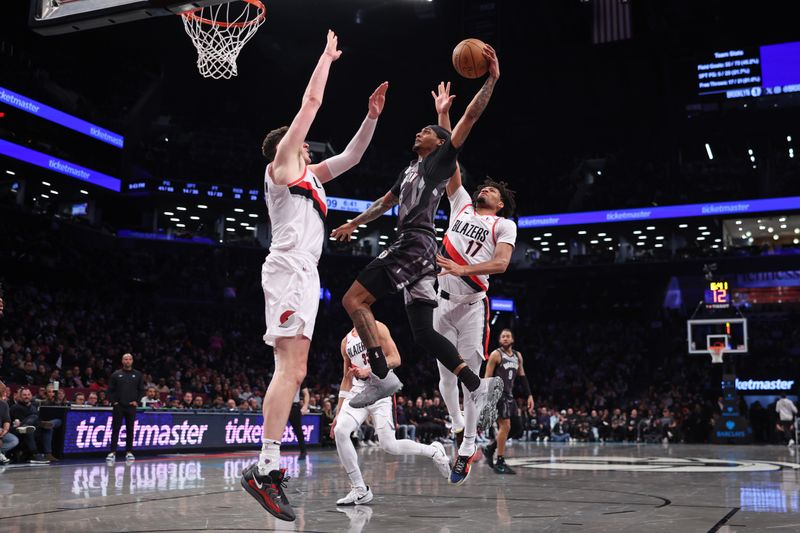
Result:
[[288, 319]]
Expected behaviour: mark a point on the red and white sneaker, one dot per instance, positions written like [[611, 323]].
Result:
[[268, 491]]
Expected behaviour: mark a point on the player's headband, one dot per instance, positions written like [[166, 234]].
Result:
[[440, 132]]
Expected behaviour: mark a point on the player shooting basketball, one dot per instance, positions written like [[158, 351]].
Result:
[[297, 208], [409, 264]]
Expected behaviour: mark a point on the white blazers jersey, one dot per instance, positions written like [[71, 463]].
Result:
[[297, 213], [470, 239], [357, 353]]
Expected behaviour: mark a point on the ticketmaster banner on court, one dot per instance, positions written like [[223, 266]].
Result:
[[90, 431]]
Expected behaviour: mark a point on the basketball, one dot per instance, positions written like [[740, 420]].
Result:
[[468, 58]]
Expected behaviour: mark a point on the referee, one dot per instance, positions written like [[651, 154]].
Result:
[[125, 389]]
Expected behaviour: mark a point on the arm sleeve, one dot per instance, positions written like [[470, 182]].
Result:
[[524, 385], [506, 232], [341, 163]]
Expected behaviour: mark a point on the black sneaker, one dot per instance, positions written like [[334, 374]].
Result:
[[488, 453], [502, 468], [302, 456], [268, 491], [461, 468]]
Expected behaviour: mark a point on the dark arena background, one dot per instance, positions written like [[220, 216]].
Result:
[[654, 147]]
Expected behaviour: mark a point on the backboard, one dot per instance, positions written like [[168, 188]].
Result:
[[53, 17], [728, 332]]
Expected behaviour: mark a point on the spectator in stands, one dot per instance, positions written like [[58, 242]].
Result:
[[27, 415], [632, 427], [219, 404], [231, 405], [326, 420], [151, 399], [79, 399], [618, 423], [198, 402], [91, 401], [186, 402], [559, 433], [8, 441], [405, 429]]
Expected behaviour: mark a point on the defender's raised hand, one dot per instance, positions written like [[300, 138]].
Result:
[[331, 47], [443, 99], [377, 100]]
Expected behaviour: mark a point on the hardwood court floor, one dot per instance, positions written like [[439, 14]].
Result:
[[558, 487]]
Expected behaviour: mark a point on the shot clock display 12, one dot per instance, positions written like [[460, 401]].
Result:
[[717, 295]]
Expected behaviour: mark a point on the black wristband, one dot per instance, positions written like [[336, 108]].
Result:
[[526, 388]]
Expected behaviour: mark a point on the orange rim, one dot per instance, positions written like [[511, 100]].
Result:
[[262, 12]]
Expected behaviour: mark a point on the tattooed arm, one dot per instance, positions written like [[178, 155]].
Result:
[[378, 208], [479, 102]]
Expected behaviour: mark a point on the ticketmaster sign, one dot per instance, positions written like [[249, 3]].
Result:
[[90, 431], [653, 213]]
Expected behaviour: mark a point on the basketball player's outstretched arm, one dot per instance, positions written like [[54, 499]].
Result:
[[287, 165], [479, 102], [341, 163], [443, 100], [378, 207]]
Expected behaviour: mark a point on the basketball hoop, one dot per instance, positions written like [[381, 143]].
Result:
[[220, 31], [716, 352]]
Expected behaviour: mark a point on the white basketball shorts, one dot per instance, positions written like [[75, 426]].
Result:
[[291, 295], [466, 325], [381, 411]]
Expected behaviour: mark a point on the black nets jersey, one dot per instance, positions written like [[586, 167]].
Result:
[[421, 186]]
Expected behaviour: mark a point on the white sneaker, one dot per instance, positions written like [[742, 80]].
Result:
[[3, 459], [22, 430], [129, 457], [375, 389], [791, 442], [441, 459], [110, 458], [357, 496], [486, 397]]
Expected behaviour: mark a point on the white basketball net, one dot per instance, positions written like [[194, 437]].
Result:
[[716, 353], [219, 32]]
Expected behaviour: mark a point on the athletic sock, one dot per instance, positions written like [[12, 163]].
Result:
[[356, 480], [269, 458], [469, 379], [377, 361]]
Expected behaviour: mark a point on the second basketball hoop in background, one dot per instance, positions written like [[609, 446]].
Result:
[[220, 31]]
